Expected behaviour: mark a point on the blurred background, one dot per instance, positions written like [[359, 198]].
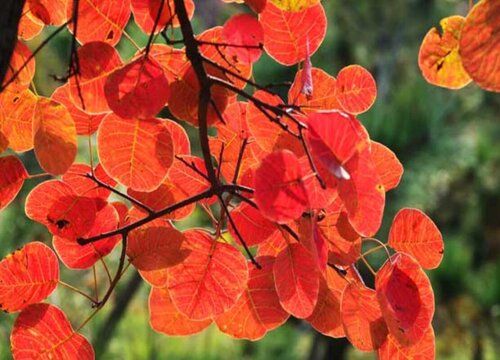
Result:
[[448, 142]]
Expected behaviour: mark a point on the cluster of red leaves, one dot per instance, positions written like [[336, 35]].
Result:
[[465, 50], [315, 183]]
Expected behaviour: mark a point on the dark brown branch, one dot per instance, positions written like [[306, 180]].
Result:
[[119, 193], [240, 160], [194, 56], [192, 166]]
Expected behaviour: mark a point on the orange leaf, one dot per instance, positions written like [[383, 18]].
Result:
[[356, 89], [252, 226], [100, 20], [51, 12], [165, 318], [27, 276], [424, 349], [12, 176], [76, 177], [137, 90], [297, 280], [54, 137], [136, 153], [17, 108], [245, 32], [363, 322], [210, 280], [43, 331], [146, 11], [414, 233], [388, 167], [29, 25], [286, 33], [18, 63], [406, 298], [480, 44], [153, 250], [294, 5], [439, 58], [258, 309]]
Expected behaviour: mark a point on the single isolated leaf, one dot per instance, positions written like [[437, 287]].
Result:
[[362, 318], [100, 20], [76, 256], [388, 167], [258, 309], [153, 250], [165, 318], [297, 280], [287, 33], [137, 90], [97, 60], [55, 204], [43, 331], [12, 176], [480, 44], [439, 59], [27, 276], [425, 349], [210, 280], [414, 233], [246, 33], [54, 136], [356, 89], [279, 190], [136, 153], [406, 298]]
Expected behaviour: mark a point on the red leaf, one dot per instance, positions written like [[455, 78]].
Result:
[[12, 176], [244, 31], [286, 33], [173, 61], [279, 191], [146, 11], [97, 60], [256, 5], [137, 90], [136, 153], [166, 319], [356, 89], [210, 280], [55, 204], [100, 20], [76, 177], [480, 45], [153, 250], [387, 165], [439, 59], [76, 256], [424, 349], [258, 309], [414, 233], [18, 64], [252, 226], [51, 12], [27, 276], [362, 318], [29, 25], [43, 331], [297, 280], [406, 298]]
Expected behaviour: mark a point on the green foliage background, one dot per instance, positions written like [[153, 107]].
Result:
[[447, 140]]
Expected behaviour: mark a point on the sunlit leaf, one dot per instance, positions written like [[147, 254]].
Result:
[[12, 176], [245, 32], [251, 225], [19, 65], [406, 298], [146, 11], [414, 233], [42, 331], [297, 280], [286, 33], [294, 5], [27, 276], [258, 309], [356, 89], [210, 280], [136, 153], [424, 349], [388, 167]]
